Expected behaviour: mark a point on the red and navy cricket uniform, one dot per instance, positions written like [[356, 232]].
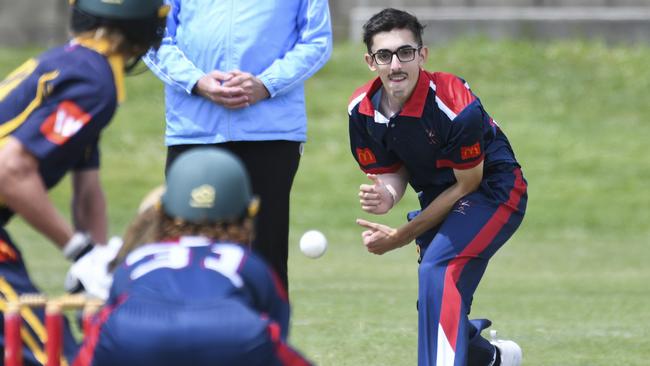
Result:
[[55, 105], [442, 127], [192, 302]]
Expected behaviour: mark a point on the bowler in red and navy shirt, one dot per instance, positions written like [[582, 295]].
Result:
[[429, 130]]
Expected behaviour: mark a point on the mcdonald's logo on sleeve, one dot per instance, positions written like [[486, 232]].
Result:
[[470, 152], [365, 156]]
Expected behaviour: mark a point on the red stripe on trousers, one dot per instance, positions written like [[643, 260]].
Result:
[[287, 356], [451, 299], [85, 355]]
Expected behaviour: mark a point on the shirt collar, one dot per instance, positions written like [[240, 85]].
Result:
[[103, 46], [413, 107]]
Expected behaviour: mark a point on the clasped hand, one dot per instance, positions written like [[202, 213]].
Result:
[[233, 89]]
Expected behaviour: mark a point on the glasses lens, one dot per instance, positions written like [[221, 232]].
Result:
[[406, 54], [383, 57]]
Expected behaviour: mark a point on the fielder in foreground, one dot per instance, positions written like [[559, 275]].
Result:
[[186, 289], [52, 111], [428, 129]]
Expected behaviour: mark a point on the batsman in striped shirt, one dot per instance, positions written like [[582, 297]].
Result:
[[53, 109]]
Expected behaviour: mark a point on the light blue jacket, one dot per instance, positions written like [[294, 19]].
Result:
[[282, 42]]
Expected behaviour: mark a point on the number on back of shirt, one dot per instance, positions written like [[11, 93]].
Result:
[[223, 259]]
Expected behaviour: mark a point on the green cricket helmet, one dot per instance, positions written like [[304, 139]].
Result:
[[208, 185], [120, 9], [141, 21]]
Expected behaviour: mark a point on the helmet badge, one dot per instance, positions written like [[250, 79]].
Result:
[[203, 196]]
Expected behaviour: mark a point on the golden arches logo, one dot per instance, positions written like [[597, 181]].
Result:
[[365, 156], [470, 152]]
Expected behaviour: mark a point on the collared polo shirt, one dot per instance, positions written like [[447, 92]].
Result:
[[441, 127]]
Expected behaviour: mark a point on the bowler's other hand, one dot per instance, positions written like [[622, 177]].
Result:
[[375, 198], [253, 87], [212, 86], [379, 238]]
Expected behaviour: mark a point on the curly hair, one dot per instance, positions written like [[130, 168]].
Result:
[[153, 225]]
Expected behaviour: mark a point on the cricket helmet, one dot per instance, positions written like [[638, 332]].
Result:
[[141, 21], [208, 185]]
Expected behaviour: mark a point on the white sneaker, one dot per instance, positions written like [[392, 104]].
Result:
[[510, 351]]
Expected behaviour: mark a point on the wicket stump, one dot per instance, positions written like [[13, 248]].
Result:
[[53, 324]]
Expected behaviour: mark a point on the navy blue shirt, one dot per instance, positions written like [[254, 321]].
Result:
[[441, 127], [56, 105], [195, 271]]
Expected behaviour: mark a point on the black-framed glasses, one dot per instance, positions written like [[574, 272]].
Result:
[[404, 54]]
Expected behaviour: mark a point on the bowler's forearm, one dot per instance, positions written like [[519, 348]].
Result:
[[431, 216]]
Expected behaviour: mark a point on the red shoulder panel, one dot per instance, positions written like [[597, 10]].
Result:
[[452, 91]]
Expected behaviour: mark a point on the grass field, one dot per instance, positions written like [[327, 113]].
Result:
[[572, 285]]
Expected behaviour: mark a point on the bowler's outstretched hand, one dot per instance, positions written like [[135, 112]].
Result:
[[378, 238]]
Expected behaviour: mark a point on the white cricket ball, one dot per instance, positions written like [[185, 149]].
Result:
[[313, 244]]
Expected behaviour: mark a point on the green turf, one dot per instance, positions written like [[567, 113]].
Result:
[[571, 286]]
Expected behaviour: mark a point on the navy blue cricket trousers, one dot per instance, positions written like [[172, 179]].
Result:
[[453, 264]]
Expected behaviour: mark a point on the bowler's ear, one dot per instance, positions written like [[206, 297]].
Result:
[[370, 62], [423, 55]]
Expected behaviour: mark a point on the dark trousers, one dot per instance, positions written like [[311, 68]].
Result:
[[272, 166]]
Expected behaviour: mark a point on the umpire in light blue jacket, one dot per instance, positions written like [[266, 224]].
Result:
[[234, 74]]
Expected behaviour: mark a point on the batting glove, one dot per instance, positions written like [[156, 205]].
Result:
[[78, 245], [89, 274]]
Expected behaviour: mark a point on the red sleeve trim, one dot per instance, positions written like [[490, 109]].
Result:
[[462, 166], [382, 170]]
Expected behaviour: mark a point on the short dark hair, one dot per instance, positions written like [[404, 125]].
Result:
[[389, 19]]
